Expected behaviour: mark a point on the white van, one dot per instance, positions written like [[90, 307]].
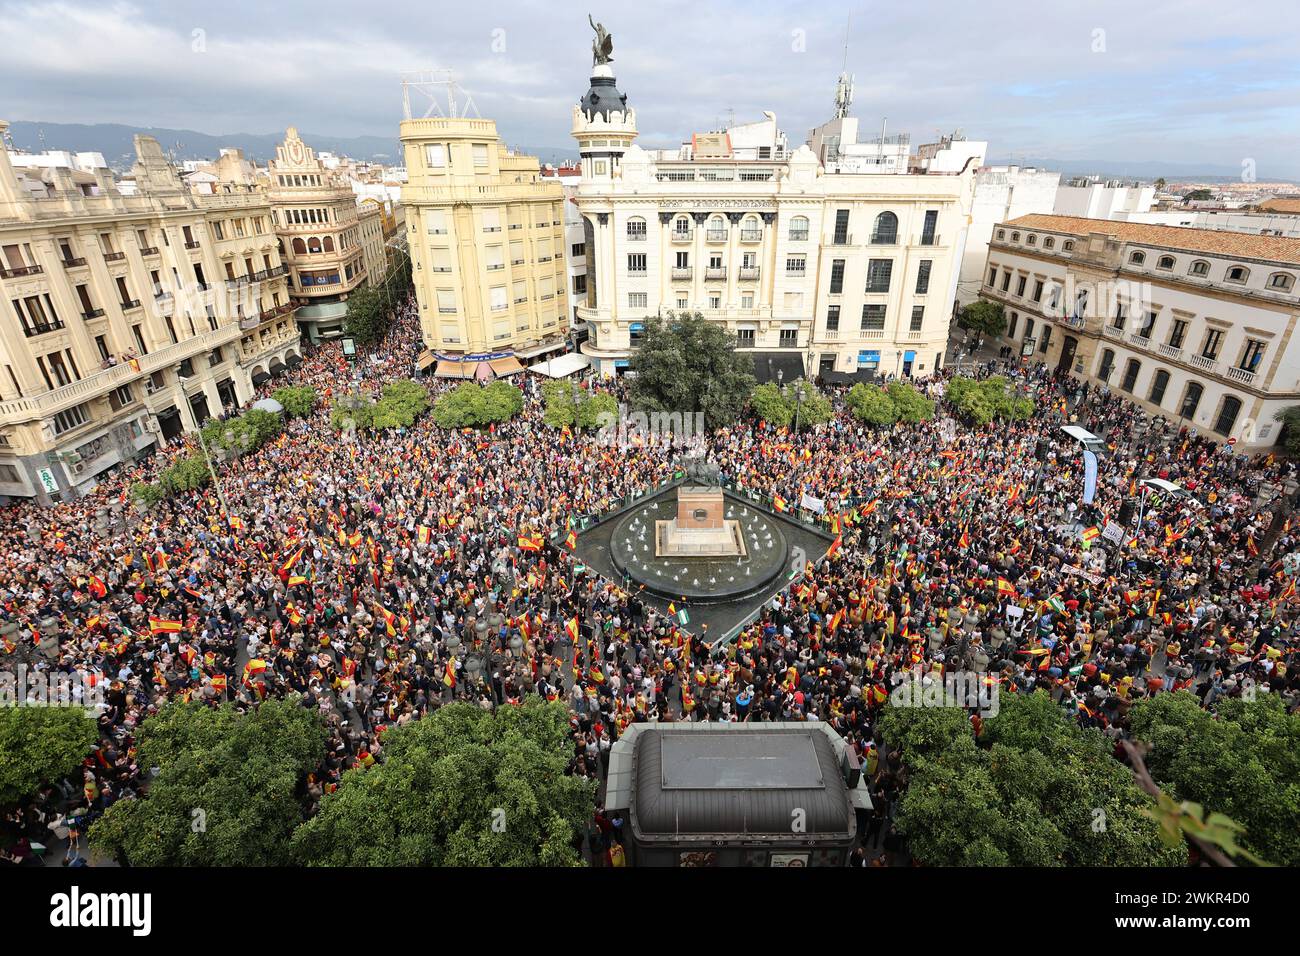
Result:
[[1087, 439]]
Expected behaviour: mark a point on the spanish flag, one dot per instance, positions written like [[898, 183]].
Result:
[[779, 503], [571, 542], [423, 533], [219, 683], [1090, 533], [254, 667], [293, 559], [355, 539], [596, 673], [449, 673], [836, 619], [835, 546], [163, 625], [97, 587], [529, 544], [388, 617], [964, 540], [1251, 546], [1005, 588], [571, 628]]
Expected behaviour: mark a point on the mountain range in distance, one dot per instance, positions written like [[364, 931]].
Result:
[[115, 142]]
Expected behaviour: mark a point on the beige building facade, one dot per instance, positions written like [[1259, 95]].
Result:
[[130, 317], [811, 271], [1197, 326], [486, 238], [320, 228]]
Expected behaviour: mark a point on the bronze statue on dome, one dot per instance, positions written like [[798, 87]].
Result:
[[602, 46]]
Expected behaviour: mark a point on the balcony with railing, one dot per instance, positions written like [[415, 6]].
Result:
[[17, 272], [192, 244], [715, 235], [884, 239], [1140, 340], [42, 328], [1204, 363], [715, 272], [130, 304], [1113, 332], [682, 272], [842, 239], [76, 263], [93, 314], [928, 239], [748, 273], [636, 237], [798, 235], [1243, 376], [751, 235], [1170, 351], [149, 251], [683, 235], [114, 256]]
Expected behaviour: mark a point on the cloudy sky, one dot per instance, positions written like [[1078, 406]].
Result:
[[1200, 81]]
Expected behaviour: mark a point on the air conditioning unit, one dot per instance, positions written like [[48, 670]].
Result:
[[77, 467], [151, 425]]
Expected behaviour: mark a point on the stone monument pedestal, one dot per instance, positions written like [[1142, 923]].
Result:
[[700, 529]]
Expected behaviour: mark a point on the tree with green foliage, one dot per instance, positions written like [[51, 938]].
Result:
[[983, 318], [1034, 790], [367, 319], [470, 405], [1242, 761], [240, 775], [798, 404], [1290, 437], [575, 407], [459, 787], [41, 745], [400, 404], [979, 402], [188, 474], [687, 364], [872, 404], [298, 401], [243, 434], [911, 404]]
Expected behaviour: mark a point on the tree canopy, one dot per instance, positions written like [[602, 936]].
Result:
[[575, 407], [298, 401], [40, 745], [778, 405], [983, 317], [687, 364], [400, 404], [979, 402], [1242, 761], [367, 318], [459, 787], [470, 405], [228, 790], [899, 401], [1034, 790]]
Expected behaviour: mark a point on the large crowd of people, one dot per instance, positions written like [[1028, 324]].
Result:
[[382, 575]]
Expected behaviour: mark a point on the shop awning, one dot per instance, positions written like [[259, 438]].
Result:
[[767, 364], [293, 361], [562, 366], [426, 359], [505, 366], [448, 369], [278, 367], [260, 378], [537, 350]]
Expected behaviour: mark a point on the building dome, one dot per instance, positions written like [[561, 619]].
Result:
[[602, 96]]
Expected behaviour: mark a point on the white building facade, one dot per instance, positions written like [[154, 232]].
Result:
[[1195, 325], [1001, 193], [809, 270]]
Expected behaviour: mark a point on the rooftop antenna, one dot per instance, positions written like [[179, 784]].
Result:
[[844, 86], [40, 134], [440, 89]]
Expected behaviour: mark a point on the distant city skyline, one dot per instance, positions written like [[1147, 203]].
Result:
[[1194, 84]]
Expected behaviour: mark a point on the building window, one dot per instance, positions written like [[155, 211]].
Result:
[[1238, 274], [1047, 339], [799, 229], [1281, 281], [832, 318], [1165, 262], [1006, 280], [1228, 413], [1067, 246], [578, 250], [885, 230], [636, 263], [70, 419], [480, 154], [636, 229], [1159, 382], [636, 300], [1011, 325], [1038, 290], [744, 338], [789, 339], [1149, 326], [918, 318], [1107, 365], [1210, 347], [1191, 400], [1119, 320], [993, 277], [1252, 355], [837, 276], [1020, 286], [923, 276], [1130, 375], [1137, 258], [1199, 268], [1178, 333], [873, 318], [1031, 240], [795, 265], [879, 272]]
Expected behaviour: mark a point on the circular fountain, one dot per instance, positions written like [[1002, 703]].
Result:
[[699, 544]]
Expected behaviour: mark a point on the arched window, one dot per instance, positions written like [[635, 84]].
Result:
[[1166, 262], [1281, 281], [1049, 242], [1238, 274], [1199, 268], [1137, 258], [1159, 382], [1067, 246], [1228, 413], [313, 245], [329, 243], [636, 230], [799, 228], [885, 231], [1031, 240], [299, 247], [1015, 237], [1107, 364], [1130, 375], [1002, 233], [682, 226], [1191, 400]]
